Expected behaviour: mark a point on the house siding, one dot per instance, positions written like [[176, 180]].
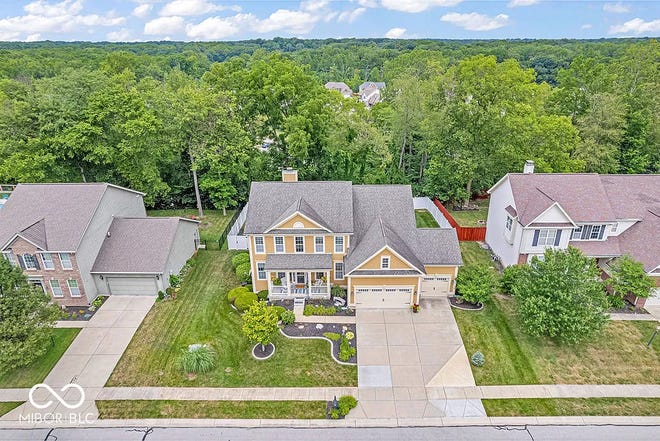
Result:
[[395, 261], [507, 250], [182, 249]]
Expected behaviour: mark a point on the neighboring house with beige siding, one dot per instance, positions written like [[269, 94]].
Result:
[[305, 237]]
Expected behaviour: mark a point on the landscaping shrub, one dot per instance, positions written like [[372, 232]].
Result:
[[476, 283], [338, 291], [628, 277], [161, 296], [319, 310], [243, 272], [332, 336], [197, 359], [263, 294], [478, 359], [175, 281], [346, 403], [245, 300], [260, 322], [278, 309], [231, 295], [249, 287], [349, 335], [346, 351], [240, 259], [509, 277], [287, 317]]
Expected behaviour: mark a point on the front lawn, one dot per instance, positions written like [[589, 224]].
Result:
[[617, 356], [8, 406], [473, 254], [211, 409], [201, 314], [35, 372], [425, 219], [211, 225], [573, 407], [471, 218]]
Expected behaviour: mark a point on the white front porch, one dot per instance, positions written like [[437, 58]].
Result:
[[293, 284]]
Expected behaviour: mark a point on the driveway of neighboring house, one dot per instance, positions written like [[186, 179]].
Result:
[[410, 365], [91, 358]]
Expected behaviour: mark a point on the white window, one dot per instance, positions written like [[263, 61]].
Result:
[[259, 246], [339, 244], [339, 270], [547, 237], [509, 223], [47, 259], [298, 225], [577, 233], [588, 232], [261, 271], [56, 288], [301, 278], [10, 257], [614, 227], [29, 261], [319, 244], [300, 244], [73, 287], [65, 258], [595, 232], [385, 262], [279, 244]]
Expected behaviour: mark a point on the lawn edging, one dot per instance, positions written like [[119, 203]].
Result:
[[321, 338]]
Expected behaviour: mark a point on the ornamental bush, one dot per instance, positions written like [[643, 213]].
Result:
[[476, 283], [478, 359], [345, 404], [197, 359], [628, 277], [319, 310], [239, 259], [509, 277], [232, 294], [263, 294], [346, 351], [332, 336], [245, 300], [278, 309], [338, 291], [260, 323], [287, 317], [243, 272]]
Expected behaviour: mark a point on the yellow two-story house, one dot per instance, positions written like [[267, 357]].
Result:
[[305, 237]]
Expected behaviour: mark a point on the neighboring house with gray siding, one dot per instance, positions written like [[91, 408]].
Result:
[[77, 241]]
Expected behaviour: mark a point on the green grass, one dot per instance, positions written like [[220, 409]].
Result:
[[618, 355], [471, 218], [35, 372], [211, 226], [201, 314], [425, 219], [573, 407], [211, 409], [8, 406], [473, 254]]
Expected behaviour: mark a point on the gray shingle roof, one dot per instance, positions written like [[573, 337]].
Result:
[[302, 207], [64, 210], [329, 200], [137, 245], [36, 233], [438, 246], [283, 262]]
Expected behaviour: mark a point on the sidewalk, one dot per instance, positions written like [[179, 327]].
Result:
[[624, 317]]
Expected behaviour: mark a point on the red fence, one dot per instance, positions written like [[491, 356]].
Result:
[[467, 234]]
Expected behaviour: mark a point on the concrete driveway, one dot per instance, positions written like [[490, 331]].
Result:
[[412, 365], [92, 356]]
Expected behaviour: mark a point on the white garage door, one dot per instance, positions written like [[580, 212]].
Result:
[[133, 286], [383, 296], [435, 286], [654, 298]]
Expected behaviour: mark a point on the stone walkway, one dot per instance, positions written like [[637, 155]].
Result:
[[653, 310], [624, 317], [92, 356]]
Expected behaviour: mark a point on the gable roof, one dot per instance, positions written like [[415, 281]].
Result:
[[300, 206], [53, 216], [137, 245], [338, 86], [328, 203], [371, 84]]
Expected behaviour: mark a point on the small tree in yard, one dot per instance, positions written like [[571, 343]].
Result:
[[260, 323], [476, 283], [26, 319], [628, 277], [561, 296]]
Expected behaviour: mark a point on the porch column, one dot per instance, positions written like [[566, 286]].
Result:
[[288, 282], [309, 283], [327, 281], [269, 282]]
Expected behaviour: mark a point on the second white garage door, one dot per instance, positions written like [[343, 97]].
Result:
[[383, 296], [435, 286], [133, 286]]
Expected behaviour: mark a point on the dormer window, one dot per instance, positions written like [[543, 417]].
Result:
[[588, 232], [385, 262]]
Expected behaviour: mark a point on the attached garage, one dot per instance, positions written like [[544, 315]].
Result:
[[132, 286], [434, 286], [654, 298], [383, 296]]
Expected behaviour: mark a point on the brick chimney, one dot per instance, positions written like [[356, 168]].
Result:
[[289, 175], [529, 167]]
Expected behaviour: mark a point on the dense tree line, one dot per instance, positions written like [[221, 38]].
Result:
[[166, 117]]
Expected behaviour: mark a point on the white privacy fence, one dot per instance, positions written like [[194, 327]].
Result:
[[425, 203], [236, 240]]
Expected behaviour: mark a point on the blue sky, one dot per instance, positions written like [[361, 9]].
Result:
[[201, 20]]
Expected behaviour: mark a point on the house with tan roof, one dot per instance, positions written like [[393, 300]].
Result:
[[340, 87], [306, 236], [77, 241], [605, 216]]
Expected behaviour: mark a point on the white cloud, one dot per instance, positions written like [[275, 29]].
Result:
[[476, 22], [297, 22], [416, 5], [182, 8], [217, 28], [636, 26], [616, 8], [123, 34], [142, 10], [33, 37], [516, 3], [396, 33], [44, 8], [586, 26], [368, 3], [164, 26], [351, 16], [314, 5]]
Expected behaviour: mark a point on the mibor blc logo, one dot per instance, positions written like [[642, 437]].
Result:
[[58, 418], [57, 396]]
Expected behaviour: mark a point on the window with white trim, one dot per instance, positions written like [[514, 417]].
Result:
[[385, 262], [47, 259], [339, 244], [261, 270], [65, 258], [29, 261], [509, 223], [279, 244], [588, 232], [259, 246], [298, 225], [319, 244], [339, 270], [547, 237], [73, 287], [56, 288], [299, 242], [9, 256]]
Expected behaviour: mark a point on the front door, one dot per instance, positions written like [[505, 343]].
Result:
[[301, 278]]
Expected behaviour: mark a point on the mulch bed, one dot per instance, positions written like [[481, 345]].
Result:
[[317, 330], [342, 311], [81, 313], [458, 302], [263, 353], [629, 308]]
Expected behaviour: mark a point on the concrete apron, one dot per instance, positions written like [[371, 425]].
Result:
[[413, 366]]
